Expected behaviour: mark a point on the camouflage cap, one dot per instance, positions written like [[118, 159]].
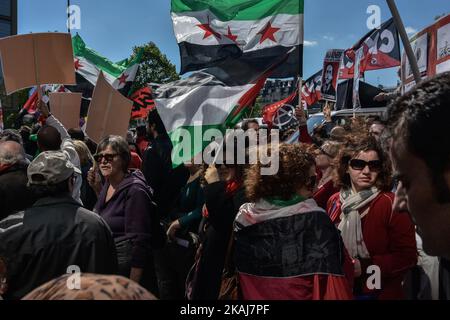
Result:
[[50, 168]]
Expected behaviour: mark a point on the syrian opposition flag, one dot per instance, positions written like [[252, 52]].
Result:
[[311, 89], [212, 32], [89, 63]]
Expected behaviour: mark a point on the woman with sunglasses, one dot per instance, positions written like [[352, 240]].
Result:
[[380, 241], [125, 203], [286, 246], [223, 194]]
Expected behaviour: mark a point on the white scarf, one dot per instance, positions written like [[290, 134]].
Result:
[[350, 225], [255, 213]]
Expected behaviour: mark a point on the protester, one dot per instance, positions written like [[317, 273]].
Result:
[[373, 233], [29, 146], [325, 157], [56, 234], [141, 139], [420, 154], [338, 134], [14, 193], [87, 194], [92, 287], [125, 202], [11, 135], [286, 246], [54, 137], [376, 129], [174, 261], [157, 163], [251, 124], [224, 195]]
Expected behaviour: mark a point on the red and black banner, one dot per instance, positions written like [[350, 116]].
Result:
[[143, 103], [311, 89], [381, 51], [382, 48], [271, 111]]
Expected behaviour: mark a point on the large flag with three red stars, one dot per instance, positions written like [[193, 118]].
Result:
[[213, 33]]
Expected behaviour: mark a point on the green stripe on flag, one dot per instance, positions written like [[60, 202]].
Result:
[[227, 10], [102, 63], [181, 154]]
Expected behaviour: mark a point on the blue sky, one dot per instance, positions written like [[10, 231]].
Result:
[[113, 27]]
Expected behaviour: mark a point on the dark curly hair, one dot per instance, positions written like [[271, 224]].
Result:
[[354, 146], [421, 118], [295, 164]]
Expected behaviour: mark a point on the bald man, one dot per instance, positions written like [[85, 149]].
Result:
[[14, 193]]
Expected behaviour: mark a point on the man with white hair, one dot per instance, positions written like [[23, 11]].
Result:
[[14, 194], [56, 235]]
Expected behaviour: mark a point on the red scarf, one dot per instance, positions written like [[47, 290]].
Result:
[[230, 190], [4, 167]]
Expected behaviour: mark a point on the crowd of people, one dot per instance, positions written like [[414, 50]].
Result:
[[354, 213]]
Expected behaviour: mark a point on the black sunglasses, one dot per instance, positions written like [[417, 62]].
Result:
[[108, 157], [359, 165]]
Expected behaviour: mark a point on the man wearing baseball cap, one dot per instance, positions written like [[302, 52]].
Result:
[[56, 235]]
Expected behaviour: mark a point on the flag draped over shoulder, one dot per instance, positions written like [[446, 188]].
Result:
[[211, 32]]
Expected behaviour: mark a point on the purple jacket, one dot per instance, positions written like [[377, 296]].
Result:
[[131, 213]]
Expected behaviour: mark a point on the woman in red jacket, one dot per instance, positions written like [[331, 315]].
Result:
[[374, 235]]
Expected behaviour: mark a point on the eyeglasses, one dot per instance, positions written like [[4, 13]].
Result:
[[108, 157], [360, 165]]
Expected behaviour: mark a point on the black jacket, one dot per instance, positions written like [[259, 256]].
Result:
[[222, 210], [14, 194], [41, 243], [165, 181]]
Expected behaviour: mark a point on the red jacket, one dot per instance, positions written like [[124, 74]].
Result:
[[324, 193], [390, 239]]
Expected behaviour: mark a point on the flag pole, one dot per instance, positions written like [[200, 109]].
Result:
[[300, 102], [68, 16], [401, 29]]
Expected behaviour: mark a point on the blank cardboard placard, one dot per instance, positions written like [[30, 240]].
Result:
[[37, 59], [66, 108], [109, 112]]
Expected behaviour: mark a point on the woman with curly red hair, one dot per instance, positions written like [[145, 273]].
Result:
[[374, 234], [286, 246]]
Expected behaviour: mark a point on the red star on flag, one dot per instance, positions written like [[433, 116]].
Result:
[[268, 33], [209, 31], [78, 65], [230, 35], [123, 79]]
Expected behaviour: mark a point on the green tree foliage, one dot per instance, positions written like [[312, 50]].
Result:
[[12, 105], [155, 67]]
